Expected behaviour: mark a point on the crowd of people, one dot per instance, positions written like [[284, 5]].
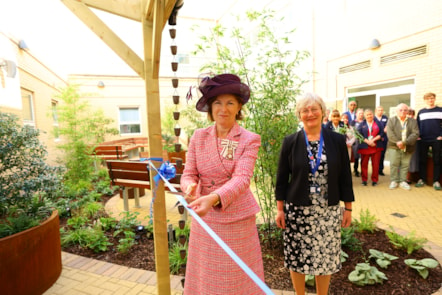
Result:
[[407, 140], [314, 186]]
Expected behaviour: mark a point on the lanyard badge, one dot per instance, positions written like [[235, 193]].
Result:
[[314, 164]]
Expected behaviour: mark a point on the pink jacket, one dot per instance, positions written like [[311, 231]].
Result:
[[228, 178]]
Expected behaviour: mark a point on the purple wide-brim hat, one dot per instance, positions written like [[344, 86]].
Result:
[[221, 84]]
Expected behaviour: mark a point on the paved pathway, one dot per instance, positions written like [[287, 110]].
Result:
[[418, 210]]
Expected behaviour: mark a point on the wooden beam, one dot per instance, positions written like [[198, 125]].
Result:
[[130, 9], [107, 35], [155, 146], [168, 8], [157, 37]]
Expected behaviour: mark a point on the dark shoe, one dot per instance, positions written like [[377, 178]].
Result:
[[381, 173], [420, 183], [357, 174], [374, 183], [364, 183]]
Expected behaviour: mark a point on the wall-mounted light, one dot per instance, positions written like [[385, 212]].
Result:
[[22, 45], [9, 66], [374, 44], [100, 84]]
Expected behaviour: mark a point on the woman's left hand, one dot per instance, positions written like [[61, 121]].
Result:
[[346, 219], [203, 204]]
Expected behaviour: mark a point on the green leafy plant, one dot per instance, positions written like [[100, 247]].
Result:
[[382, 259], [124, 244], [107, 222], [127, 223], [409, 243], [310, 280], [77, 222], [344, 256], [93, 210], [126, 226], [82, 130], [185, 231], [367, 222], [422, 265], [346, 130], [29, 187], [175, 260], [364, 274], [349, 239], [87, 237], [269, 66]]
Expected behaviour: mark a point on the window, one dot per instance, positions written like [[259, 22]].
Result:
[[130, 121], [28, 107], [55, 120]]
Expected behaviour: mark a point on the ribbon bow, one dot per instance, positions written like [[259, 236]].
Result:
[[167, 170]]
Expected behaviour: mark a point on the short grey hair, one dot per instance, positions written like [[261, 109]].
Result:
[[399, 106], [308, 100]]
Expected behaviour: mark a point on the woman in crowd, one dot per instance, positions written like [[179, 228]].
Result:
[[313, 177], [335, 123], [355, 124], [216, 179], [372, 131], [350, 135]]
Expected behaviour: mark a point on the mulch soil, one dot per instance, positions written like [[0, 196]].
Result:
[[401, 279]]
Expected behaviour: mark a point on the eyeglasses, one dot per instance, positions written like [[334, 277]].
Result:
[[402, 110], [313, 110]]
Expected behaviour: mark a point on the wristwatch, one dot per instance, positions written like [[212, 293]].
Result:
[[217, 201]]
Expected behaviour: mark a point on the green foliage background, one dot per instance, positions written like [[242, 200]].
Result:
[[269, 66]]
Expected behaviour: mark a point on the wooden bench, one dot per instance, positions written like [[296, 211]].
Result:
[[110, 152], [120, 149], [133, 174]]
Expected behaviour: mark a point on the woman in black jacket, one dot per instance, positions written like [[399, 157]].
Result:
[[313, 177]]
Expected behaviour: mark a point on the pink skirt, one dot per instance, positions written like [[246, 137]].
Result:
[[210, 270]]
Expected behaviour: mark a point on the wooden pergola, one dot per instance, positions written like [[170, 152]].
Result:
[[153, 15]]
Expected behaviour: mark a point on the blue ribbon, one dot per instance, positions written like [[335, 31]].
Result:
[[217, 239], [166, 171]]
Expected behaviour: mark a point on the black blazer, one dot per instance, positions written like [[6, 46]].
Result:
[[293, 170]]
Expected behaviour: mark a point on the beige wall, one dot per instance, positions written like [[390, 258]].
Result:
[[43, 83], [343, 30], [129, 91]]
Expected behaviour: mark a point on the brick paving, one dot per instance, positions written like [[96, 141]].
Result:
[[418, 210]]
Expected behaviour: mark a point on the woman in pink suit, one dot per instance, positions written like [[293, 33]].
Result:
[[216, 180]]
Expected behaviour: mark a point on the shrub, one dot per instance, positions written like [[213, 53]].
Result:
[[409, 243], [349, 240], [367, 222], [422, 265], [382, 259], [175, 260], [364, 274], [28, 186]]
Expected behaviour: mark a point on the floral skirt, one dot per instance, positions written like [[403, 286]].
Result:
[[312, 239]]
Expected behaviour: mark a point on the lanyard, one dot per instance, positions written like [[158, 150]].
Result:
[[370, 128], [314, 166]]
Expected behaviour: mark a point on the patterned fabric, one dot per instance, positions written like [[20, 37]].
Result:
[[312, 238], [209, 269]]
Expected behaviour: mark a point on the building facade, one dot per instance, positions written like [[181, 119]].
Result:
[[31, 92]]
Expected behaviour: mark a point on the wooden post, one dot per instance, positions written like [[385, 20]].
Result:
[[152, 32], [153, 15]]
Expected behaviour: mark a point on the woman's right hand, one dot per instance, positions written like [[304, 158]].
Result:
[[280, 219], [190, 193]]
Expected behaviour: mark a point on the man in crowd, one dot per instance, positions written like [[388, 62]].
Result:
[[429, 120], [351, 113], [402, 136], [379, 113]]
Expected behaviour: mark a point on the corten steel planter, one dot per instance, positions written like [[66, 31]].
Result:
[[30, 261]]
